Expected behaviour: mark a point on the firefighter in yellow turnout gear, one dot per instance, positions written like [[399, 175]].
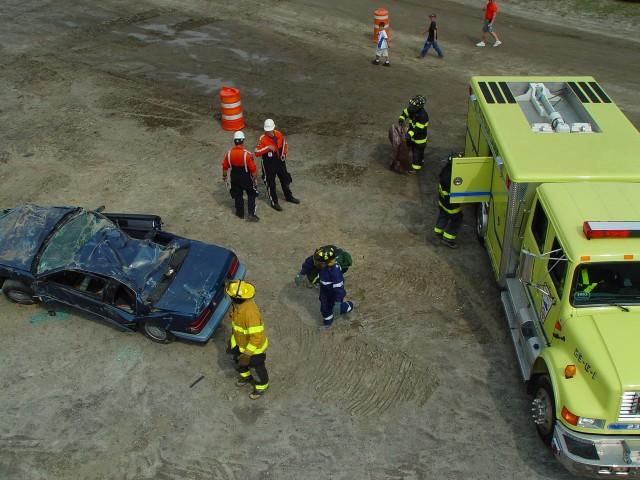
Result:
[[248, 342], [449, 215]]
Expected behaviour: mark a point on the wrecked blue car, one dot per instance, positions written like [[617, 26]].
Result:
[[122, 268]]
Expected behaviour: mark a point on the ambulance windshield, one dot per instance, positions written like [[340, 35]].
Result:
[[610, 283]]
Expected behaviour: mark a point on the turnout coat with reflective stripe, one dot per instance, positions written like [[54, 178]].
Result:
[[418, 123], [248, 329], [443, 191], [332, 283]]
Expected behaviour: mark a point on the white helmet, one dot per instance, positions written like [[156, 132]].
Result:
[[269, 125], [238, 135]]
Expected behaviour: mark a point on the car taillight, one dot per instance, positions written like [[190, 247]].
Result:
[[234, 267], [196, 326]]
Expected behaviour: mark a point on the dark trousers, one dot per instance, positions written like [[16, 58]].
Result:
[[272, 166], [257, 362], [448, 224], [237, 193], [417, 155], [431, 43]]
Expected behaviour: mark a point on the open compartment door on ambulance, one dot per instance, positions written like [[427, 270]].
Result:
[[471, 179]]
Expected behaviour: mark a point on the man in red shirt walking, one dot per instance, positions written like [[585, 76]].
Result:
[[243, 177], [272, 148], [490, 14]]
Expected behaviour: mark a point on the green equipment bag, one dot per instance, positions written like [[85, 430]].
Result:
[[344, 260]]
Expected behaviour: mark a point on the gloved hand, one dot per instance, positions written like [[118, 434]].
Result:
[[244, 359], [299, 279]]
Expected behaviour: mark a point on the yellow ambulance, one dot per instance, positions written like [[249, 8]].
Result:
[[553, 167]]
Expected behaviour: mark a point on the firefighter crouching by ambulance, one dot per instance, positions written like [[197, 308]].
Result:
[[416, 136], [248, 342]]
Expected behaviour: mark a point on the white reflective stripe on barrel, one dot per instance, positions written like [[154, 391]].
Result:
[[231, 105], [232, 117], [386, 17]]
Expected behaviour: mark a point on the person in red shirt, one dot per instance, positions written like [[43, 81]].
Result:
[[490, 14], [272, 148], [243, 177]]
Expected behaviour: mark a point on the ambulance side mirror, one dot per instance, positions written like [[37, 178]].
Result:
[[525, 267]]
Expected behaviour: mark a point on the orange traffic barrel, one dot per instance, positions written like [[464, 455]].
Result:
[[231, 109], [380, 15]]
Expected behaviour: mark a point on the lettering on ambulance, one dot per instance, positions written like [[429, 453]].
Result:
[[588, 368]]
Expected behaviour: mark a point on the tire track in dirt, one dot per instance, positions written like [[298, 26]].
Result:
[[195, 470], [353, 371]]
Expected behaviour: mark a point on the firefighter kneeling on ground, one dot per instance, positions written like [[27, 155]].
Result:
[[332, 291], [416, 135], [449, 216], [248, 342], [311, 267], [243, 177]]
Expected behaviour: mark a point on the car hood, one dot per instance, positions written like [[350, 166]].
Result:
[[22, 231], [201, 275]]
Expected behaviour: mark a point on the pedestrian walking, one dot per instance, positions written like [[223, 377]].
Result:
[[331, 280], [248, 342], [273, 149], [416, 136], [243, 177], [449, 216], [490, 13], [432, 38], [312, 265], [382, 46]]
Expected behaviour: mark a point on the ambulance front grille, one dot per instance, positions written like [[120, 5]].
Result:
[[630, 407]]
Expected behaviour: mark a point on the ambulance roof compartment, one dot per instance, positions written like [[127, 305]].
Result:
[[561, 98], [572, 132]]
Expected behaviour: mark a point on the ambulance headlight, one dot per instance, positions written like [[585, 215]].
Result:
[[586, 422]]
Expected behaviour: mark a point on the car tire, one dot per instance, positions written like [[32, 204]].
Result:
[[482, 218], [543, 408], [18, 292], [157, 333]]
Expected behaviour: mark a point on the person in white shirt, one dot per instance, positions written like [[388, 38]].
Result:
[[382, 47]]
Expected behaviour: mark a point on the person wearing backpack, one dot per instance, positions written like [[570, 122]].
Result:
[[311, 266]]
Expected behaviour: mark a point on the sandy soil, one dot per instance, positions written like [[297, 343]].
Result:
[[115, 103]]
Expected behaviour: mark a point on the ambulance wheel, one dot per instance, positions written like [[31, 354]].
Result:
[[482, 217], [543, 408]]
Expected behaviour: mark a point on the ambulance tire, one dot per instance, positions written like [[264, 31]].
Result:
[[482, 218], [543, 398]]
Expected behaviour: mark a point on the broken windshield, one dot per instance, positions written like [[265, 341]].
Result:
[[607, 283], [61, 248], [91, 242]]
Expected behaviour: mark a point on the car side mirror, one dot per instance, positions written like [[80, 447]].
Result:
[[100, 209]]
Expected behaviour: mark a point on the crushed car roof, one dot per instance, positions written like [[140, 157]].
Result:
[[22, 231]]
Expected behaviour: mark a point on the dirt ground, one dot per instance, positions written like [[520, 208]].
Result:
[[115, 103]]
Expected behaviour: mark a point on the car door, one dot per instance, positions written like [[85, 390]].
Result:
[[74, 288], [120, 303]]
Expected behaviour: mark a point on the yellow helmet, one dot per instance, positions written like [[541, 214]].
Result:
[[240, 289]]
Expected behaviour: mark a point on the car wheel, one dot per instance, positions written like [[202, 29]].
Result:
[[543, 408], [157, 333], [482, 217], [18, 292]]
